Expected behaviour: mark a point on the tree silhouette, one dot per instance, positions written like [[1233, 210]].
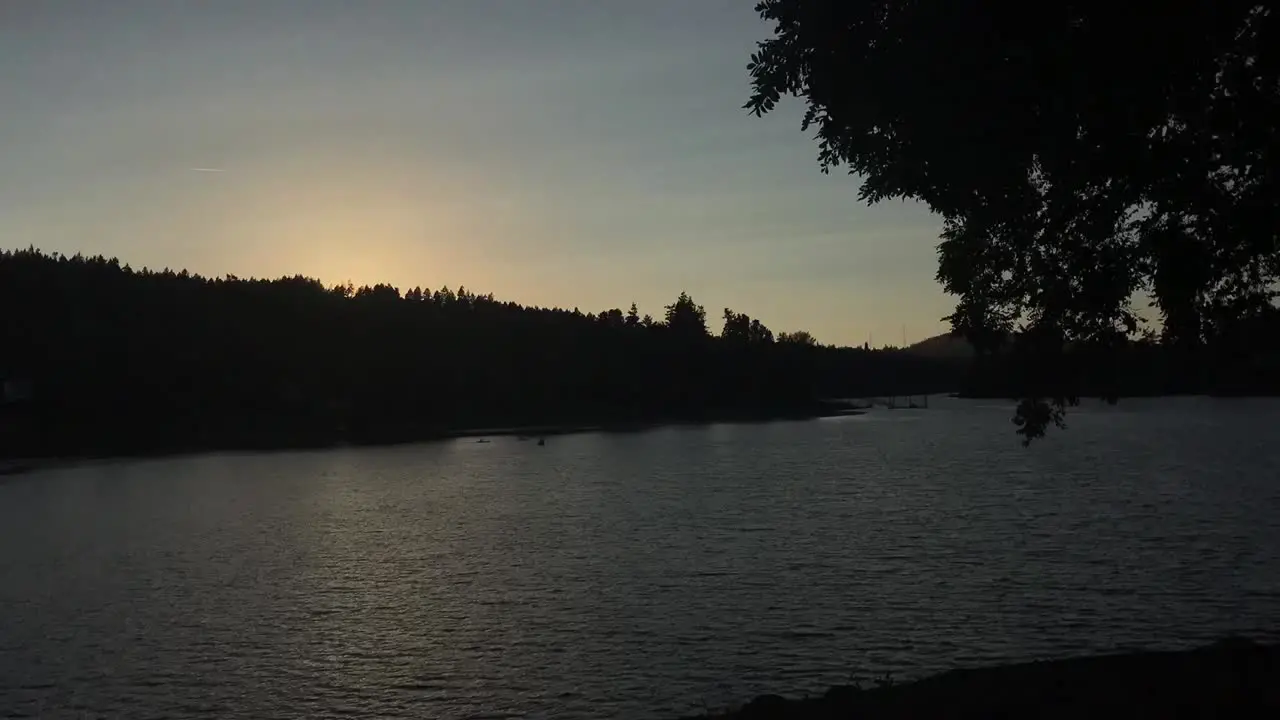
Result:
[[741, 329], [1079, 153], [799, 337], [125, 361], [759, 333], [737, 326], [686, 319]]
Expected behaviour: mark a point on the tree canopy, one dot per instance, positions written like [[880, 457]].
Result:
[[1081, 155]]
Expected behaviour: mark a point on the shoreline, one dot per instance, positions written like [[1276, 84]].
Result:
[[992, 395], [533, 431], [26, 464], [1235, 677]]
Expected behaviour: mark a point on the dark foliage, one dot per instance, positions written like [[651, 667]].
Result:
[[1242, 359], [128, 361], [1080, 153]]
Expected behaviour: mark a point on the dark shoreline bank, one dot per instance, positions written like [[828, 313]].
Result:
[[1231, 678], [1261, 393], [28, 463]]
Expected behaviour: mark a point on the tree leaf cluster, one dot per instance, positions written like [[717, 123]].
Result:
[[1082, 155]]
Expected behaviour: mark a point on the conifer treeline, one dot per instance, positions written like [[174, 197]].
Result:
[[137, 361]]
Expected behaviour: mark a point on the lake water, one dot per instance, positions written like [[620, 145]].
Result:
[[632, 575]]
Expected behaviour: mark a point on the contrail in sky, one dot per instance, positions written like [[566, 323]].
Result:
[[208, 169]]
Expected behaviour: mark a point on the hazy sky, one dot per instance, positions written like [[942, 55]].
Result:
[[583, 153]]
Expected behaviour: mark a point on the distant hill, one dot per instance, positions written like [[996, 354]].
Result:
[[943, 346]]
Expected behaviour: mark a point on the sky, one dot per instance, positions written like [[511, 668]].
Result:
[[572, 153]]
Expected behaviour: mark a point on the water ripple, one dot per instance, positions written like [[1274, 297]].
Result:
[[631, 575]]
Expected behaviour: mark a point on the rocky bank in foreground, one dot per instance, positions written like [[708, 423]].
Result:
[[1233, 678]]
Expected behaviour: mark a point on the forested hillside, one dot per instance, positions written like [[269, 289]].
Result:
[[136, 361]]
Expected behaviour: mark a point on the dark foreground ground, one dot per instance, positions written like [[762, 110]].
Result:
[[1234, 678]]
